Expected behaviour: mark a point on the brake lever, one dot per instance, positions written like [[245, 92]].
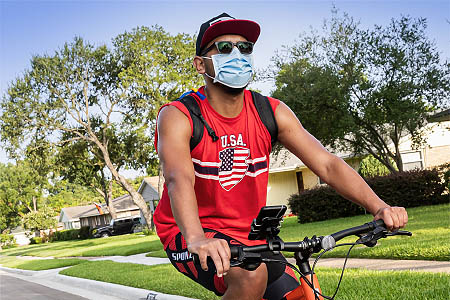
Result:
[[399, 232]]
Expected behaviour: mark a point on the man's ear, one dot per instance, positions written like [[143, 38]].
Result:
[[199, 65]]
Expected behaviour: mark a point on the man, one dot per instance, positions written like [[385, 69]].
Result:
[[213, 191]]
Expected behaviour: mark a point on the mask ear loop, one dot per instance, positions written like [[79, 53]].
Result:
[[215, 70]]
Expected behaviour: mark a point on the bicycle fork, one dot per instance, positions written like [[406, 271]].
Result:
[[304, 291]]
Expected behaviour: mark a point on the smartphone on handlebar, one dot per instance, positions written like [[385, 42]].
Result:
[[267, 222]]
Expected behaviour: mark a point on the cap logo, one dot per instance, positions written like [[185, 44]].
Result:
[[219, 20]]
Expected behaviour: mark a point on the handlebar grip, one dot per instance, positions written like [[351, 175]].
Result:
[[234, 254], [380, 222]]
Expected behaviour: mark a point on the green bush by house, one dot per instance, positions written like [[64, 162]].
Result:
[[407, 189], [71, 234]]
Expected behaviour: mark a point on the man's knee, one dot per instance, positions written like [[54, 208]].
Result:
[[250, 283]]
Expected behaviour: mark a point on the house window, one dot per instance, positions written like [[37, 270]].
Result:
[[412, 160], [300, 185]]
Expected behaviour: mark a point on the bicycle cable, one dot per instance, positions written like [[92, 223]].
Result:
[[305, 278]]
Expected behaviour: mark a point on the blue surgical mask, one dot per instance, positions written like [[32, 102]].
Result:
[[234, 69]]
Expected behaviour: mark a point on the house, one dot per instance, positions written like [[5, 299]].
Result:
[[288, 175], [93, 216], [149, 191], [436, 149]]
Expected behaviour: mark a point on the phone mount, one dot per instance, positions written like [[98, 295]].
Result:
[[267, 224]]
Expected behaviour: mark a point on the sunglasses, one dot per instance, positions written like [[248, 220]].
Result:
[[225, 47]]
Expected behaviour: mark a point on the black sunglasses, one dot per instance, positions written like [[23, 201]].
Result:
[[225, 47]]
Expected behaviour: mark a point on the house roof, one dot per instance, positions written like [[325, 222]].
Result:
[[152, 192], [122, 203], [286, 161], [443, 115]]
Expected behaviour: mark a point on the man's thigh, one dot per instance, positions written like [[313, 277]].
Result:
[[281, 279]]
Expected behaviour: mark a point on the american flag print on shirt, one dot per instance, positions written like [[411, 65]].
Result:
[[238, 159], [233, 166]]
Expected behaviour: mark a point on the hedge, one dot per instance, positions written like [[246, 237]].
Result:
[[71, 234], [407, 189]]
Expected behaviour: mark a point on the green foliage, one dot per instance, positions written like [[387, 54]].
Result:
[[36, 240], [42, 219], [370, 86], [370, 167], [7, 241], [95, 106], [65, 235], [20, 186], [85, 233], [407, 189]]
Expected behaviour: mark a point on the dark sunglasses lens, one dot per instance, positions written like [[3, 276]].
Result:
[[224, 47], [245, 47]]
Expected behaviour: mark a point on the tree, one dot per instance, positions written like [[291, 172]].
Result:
[[42, 219], [106, 99], [20, 191], [362, 90]]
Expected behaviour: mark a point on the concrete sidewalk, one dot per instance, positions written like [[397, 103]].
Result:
[[384, 264]]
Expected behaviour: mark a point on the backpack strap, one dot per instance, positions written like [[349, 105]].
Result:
[[266, 115], [197, 121]]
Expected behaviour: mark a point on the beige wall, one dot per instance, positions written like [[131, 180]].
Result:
[[436, 156], [283, 184]]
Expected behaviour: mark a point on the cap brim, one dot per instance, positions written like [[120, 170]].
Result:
[[246, 28]]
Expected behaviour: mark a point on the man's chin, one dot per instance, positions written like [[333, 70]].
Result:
[[232, 91]]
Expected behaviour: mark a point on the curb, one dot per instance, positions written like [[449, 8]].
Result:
[[53, 279]]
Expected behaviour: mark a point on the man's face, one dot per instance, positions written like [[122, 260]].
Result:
[[227, 37]]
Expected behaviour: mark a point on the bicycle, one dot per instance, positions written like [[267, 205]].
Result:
[[267, 226]]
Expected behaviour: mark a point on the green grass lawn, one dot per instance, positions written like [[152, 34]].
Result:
[[38, 264], [116, 245], [429, 225], [357, 283]]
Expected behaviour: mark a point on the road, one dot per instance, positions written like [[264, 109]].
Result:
[[12, 288]]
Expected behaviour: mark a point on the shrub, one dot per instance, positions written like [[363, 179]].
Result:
[[7, 240], [65, 235], [36, 240], [85, 233], [407, 189]]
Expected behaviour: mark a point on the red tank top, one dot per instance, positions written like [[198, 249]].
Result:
[[231, 174]]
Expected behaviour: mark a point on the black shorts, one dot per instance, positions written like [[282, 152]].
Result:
[[281, 278]]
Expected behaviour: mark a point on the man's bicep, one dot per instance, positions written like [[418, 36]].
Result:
[[174, 132]]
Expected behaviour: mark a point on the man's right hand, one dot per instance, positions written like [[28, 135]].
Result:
[[217, 249]]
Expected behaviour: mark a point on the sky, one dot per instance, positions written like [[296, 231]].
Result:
[[37, 27]]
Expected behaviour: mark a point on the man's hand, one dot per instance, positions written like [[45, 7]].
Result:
[[394, 217], [217, 249]]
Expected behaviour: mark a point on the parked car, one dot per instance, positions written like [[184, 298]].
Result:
[[118, 226]]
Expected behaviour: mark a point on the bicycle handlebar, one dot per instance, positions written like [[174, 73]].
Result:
[[316, 243]]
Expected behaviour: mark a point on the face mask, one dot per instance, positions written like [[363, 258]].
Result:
[[234, 69]]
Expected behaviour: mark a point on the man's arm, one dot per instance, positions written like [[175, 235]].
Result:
[[333, 170], [174, 133]]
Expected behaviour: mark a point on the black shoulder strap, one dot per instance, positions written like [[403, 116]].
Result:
[[197, 121], [266, 115]]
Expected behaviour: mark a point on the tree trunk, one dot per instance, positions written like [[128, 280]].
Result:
[[109, 202], [160, 182], [34, 204], [135, 196]]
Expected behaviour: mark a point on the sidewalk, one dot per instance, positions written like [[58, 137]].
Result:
[[92, 289]]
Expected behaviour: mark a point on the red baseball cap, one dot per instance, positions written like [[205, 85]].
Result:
[[225, 24]]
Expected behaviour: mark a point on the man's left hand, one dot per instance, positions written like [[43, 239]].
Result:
[[394, 217]]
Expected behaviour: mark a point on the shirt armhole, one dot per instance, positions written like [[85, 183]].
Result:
[[183, 109]]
